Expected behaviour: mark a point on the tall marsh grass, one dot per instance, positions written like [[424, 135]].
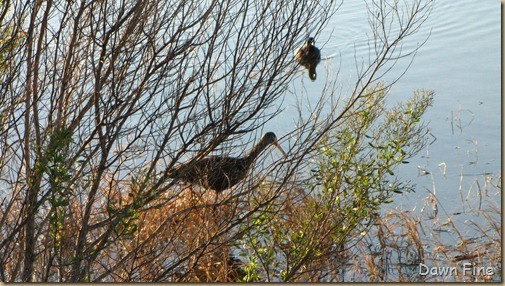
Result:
[[400, 240]]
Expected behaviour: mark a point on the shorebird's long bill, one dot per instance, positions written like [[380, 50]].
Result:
[[280, 149]]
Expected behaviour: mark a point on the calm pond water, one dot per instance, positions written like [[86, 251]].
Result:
[[461, 62]]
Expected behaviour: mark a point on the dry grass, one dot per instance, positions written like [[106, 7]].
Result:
[[401, 240], [391, 251], [186, 237]]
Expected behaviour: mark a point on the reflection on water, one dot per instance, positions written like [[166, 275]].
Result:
[[311, 68]]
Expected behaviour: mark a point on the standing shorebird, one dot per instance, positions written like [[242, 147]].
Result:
[[220, 172]]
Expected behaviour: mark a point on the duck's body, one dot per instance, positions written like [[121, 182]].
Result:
[[219, 173], [308, 52]]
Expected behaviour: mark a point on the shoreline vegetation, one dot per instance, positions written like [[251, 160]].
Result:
[[423, 246], [108, 106]]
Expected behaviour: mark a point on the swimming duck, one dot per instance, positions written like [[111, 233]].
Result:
[[308, 52]]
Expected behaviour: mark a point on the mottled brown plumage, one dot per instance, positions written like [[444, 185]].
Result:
[[219, 172]]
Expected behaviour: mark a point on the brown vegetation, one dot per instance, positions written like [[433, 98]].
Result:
[[101, 100]]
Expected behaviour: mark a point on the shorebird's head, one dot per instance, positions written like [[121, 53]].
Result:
[[270, 138]]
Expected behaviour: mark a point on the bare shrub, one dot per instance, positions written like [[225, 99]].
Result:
[[102, 99]]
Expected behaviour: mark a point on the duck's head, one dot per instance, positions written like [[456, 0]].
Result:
[[311, 41]]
